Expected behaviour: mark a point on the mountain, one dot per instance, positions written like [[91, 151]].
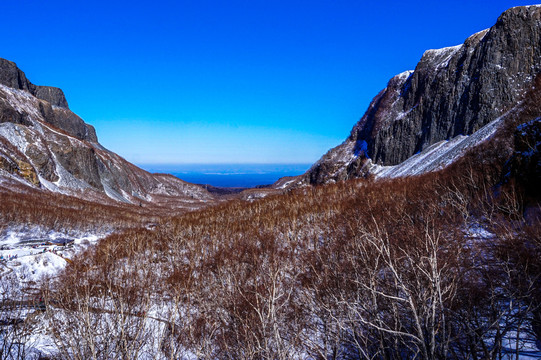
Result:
[[444, 265], [44, 145], [426, 118]]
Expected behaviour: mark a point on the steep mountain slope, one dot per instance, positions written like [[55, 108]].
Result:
[[44, 145], [451, 94]]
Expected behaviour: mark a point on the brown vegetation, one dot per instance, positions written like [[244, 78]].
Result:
[[361, 269], [440, 266], [60, 212]]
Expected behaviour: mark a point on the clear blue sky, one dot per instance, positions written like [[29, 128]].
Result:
[[228, 81]]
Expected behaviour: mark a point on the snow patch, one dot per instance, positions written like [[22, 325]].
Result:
[[438, 155], [113, 194], [14, 134], [404, 75], [286, 184], [33, 265], [32, 252], [441, 57], [22, 101]]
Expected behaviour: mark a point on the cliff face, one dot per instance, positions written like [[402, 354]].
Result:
[[45, 145], [54, 107], [452, 92]]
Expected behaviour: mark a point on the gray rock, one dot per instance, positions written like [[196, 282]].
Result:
[[45, 144], [453, 91], [11, 76], [79, 161], [9, 114], [54, 108], [43, 162], [72, 124], [51, 94]]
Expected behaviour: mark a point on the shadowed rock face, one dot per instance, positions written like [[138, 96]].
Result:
[[53, 95], [525, 164], [13, 77], [453, 91]]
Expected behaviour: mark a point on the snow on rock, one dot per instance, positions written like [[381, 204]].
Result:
[[438, 155], [15, 135], [441, 57], [22, 101], [404, 75], [44, 146], [286, 184], [112, 193]]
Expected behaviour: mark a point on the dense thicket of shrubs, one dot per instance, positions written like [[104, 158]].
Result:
[[60, 212], [430, 267], [440, 266]]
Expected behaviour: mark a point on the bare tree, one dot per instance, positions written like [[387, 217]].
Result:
[[17, 317]]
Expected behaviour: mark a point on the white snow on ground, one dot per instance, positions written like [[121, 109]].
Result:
[[37, 264], [526, 345], [33, 252], [518, 342]]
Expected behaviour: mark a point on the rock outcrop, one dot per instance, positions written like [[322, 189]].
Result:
[[13, 77], [54, 107], [43, 144], [452, 92]]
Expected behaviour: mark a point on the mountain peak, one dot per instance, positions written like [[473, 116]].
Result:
[[11, 76], [453, 91]]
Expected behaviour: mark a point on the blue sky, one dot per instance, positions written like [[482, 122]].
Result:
[[228, 81]]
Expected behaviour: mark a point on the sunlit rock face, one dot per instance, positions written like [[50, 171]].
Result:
[[452, 92], [43, 144]]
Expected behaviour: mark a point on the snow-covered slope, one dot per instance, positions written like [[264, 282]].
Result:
[[436, 156]]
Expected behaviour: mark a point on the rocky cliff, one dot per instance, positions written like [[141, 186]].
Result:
[[452, 92], [53, 109], [43, 144]]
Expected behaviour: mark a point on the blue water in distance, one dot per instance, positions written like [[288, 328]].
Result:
[[229, 175]]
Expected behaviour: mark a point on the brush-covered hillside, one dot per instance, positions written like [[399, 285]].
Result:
[[418, 238], [444, 265]]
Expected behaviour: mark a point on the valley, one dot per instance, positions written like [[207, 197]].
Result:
[[419, 237]]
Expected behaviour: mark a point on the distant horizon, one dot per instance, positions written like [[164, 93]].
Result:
[[229, 82], [229, 175], [220, 163], [226, 166]]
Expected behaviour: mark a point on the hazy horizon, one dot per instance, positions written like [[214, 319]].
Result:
[[229, 175]]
